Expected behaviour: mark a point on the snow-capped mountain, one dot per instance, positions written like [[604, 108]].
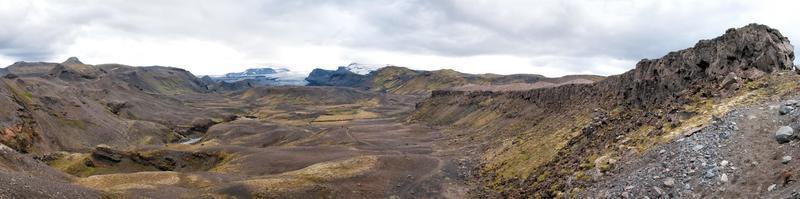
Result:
[[265, 76], [363, 69]]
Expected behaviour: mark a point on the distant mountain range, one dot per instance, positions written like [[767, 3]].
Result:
[[271, 76], [264, 76]]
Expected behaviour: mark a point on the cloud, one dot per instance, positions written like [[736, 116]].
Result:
[[479, 36]]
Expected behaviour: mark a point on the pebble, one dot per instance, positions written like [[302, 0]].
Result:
[[658, 191], [698, 147], [784, 134], [629, 187], [723, 163], [786, 110], [723, 178], [771, 187], [669, 182], [786, 159]]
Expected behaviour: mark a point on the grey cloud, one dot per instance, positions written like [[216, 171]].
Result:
[[572, 30]]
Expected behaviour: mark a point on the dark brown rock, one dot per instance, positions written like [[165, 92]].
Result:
[[202, 124]]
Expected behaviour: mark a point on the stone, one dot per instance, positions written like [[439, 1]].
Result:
[[724, 163], [730, 82], [629, 187], [786, 159], [771, 187], [698, 147], [710, 173], [784, 134], [669, 182], [785, 110], [658, 191], [723, 178]]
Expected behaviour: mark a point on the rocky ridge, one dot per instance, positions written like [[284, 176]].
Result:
[[659, 98], [401, 80]]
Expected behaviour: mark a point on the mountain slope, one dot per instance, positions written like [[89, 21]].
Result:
[[400, 80], [540, 141], [110, 104]]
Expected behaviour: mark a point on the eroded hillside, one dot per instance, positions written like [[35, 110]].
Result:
[[553, 141]]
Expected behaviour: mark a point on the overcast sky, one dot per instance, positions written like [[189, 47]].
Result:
[[552, 38]]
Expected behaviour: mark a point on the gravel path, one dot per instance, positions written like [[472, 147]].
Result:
[[735, 156]]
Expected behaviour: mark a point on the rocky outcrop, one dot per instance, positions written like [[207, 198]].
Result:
[[69, 74], [644, 100], [164, 160]]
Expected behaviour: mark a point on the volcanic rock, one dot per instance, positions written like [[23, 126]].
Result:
[[784, 134], [785, 110]]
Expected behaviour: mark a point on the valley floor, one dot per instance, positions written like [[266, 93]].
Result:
[[377, 156]]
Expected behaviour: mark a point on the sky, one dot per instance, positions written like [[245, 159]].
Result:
[[212, 37]]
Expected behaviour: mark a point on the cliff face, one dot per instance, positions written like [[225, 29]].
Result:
[[748, 52], [529, 137]]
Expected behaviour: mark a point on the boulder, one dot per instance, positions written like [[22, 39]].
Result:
[[784, 134]]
